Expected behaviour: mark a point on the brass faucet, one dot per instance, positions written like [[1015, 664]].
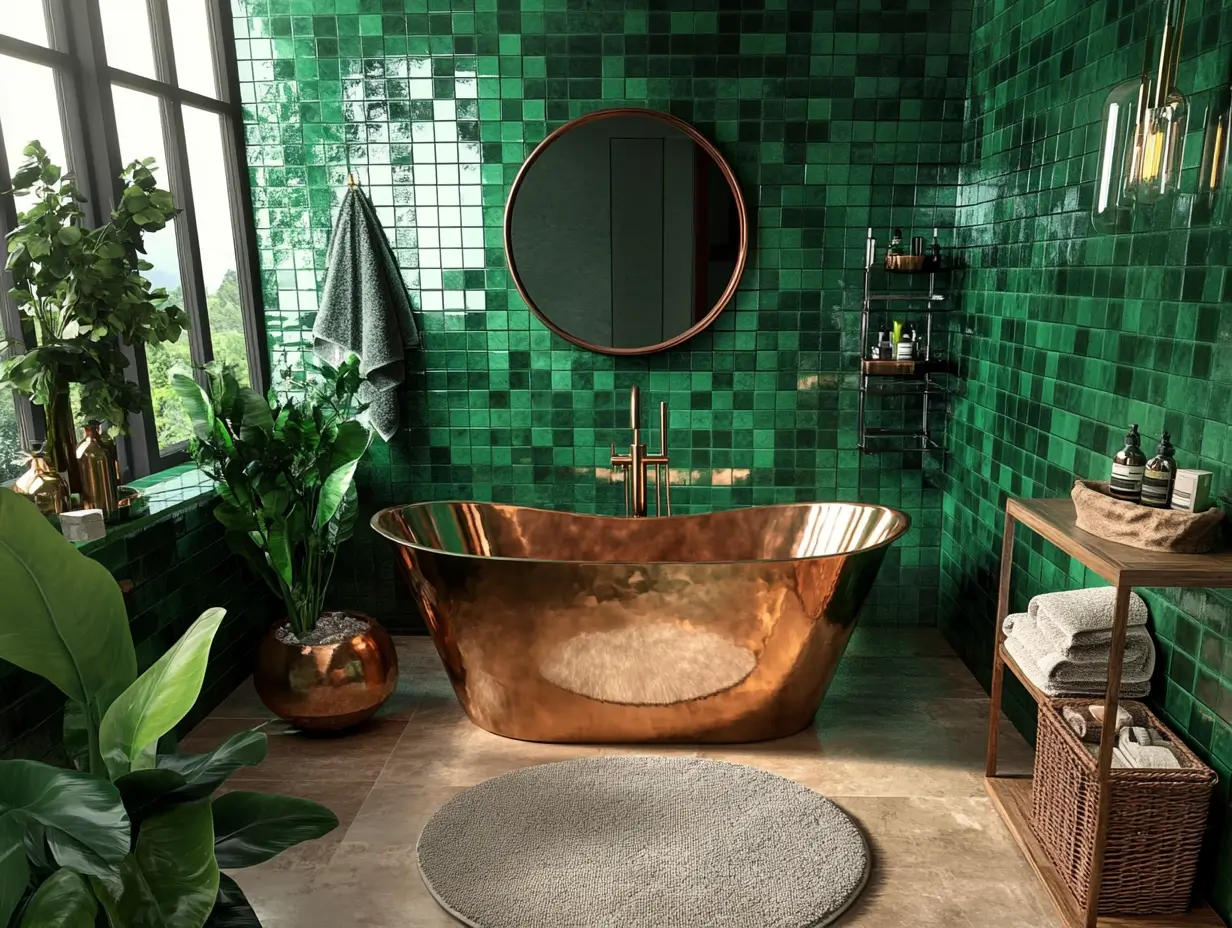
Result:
[[637, 462]]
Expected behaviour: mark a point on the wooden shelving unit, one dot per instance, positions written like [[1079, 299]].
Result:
[[1124, 567]]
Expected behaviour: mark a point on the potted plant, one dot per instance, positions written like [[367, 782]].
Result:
[[285, 472], [84, 294], [133, 835]]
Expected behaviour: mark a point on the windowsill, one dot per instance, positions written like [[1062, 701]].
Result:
[[168, 492]]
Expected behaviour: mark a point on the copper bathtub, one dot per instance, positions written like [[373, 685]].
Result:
[[719, 627]]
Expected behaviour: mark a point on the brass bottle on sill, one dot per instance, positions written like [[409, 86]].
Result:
[[97, 472], [42, 485]]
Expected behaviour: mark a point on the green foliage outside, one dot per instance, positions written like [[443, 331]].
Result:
[[227, 334], [132, 836]]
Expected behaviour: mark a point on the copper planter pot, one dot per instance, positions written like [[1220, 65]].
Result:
[[327, 687]]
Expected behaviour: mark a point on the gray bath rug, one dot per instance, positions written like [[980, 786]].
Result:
[[648, 665], [642, 842]]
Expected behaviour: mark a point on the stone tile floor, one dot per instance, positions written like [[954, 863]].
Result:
[[898, 743]]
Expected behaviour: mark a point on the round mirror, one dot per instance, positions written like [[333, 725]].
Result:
[[626, 232]]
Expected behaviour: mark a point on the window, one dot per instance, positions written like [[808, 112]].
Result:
[[106, 82]]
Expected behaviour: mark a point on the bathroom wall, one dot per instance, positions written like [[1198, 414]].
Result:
[[171, 570], [834, 116], [1073, 336]]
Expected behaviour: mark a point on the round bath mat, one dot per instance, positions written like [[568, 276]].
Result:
[[642, 842]]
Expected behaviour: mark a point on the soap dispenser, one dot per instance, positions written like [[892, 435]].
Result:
[[1159, 475], [1128, 466]]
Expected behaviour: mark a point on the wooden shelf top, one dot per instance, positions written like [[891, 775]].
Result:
[[1120, 565], [1012, 798]]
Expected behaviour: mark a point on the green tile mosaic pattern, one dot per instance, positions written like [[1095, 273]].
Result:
[[173, 567], [1072, 336], [834, 116]]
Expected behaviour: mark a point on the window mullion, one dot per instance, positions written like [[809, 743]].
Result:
[[179, 177], [239, 193], [31, 425]]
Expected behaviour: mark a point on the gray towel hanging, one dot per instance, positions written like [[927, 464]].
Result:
[[365, 310]]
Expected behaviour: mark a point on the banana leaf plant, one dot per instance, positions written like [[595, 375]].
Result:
[[285, 471], [131, 837]]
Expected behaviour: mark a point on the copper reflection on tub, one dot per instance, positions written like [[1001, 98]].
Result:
[[717, 627]]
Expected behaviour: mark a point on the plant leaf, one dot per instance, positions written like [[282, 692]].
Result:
[[279, 550], [64, 614], [82, 816], [195, 402], [350, 444], [170, 880], [158, 699], [14, 870], [250, 828], [76, 735], [333, 492], [204, 773], [63, 901], [253, 414], [231, 908]]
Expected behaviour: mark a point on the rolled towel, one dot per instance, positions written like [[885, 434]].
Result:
[[1052, 673], [1084, 617]]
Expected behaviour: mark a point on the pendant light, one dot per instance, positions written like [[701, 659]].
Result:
[[1155, 170]]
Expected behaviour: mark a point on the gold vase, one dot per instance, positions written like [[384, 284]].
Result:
[[60, 450], [42, 485], [97, 473], [327, 687]]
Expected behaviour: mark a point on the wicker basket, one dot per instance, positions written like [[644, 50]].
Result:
[[1155, 820]]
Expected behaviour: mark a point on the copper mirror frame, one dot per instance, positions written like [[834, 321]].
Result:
[[741, 216]]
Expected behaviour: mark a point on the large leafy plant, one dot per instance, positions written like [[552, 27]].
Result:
[[83, 289], [286, 475], [132, 837]]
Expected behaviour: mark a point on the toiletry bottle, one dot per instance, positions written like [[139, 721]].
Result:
[[917, 246], [934, 257], [896, 244], [1128, 465], [885, 348], [1158, 476], [905, 350]]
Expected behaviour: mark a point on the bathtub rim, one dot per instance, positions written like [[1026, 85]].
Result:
[[903, 526]]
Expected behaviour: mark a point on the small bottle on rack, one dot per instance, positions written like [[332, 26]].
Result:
[[885, 348], [1158, 476], [896, 244], [934, 254], [1128, 465], [905, 349]]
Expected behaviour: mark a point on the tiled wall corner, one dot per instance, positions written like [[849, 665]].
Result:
[[1072, 336]]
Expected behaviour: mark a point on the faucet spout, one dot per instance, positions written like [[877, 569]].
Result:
[[637, 462]]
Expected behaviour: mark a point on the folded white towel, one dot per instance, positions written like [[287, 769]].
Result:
[[1056, 675], [1147, 755], [1139, 648], [1084, 617]]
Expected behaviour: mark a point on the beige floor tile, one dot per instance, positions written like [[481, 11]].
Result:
[[357, 755], [899, 743]]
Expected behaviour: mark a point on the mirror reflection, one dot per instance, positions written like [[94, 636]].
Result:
[[624, 233]]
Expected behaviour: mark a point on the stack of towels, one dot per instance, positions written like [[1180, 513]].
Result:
[[1063, 642]]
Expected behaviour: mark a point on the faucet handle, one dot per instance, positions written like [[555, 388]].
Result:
[[635, 408], [663, 429]]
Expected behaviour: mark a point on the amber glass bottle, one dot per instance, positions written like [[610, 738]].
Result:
[[1128, 465], [1159, 475]]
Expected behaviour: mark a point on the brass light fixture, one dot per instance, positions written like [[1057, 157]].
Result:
[[1213, 164], [1143, 137], [1155, 170]]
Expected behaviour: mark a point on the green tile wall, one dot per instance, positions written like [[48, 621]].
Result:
[[834, 115], [172, 571], [1072, 336]]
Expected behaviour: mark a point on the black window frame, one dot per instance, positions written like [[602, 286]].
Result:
[[77, 54]]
